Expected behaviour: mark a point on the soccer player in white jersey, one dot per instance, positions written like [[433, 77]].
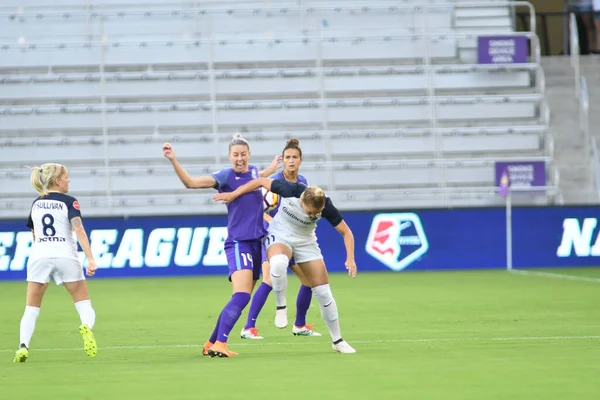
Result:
[[292, 233], [292, 159], [55, 221]]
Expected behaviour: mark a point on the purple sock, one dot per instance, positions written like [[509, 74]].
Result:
[[213, 336], [258, 301], [302, 304], [231, 313]]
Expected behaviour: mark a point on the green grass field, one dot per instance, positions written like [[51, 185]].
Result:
[[443, 335]]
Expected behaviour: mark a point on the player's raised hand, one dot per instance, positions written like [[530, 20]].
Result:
[[278, 159], [351, 267], [168, 151], [91, 268], [224, 197]]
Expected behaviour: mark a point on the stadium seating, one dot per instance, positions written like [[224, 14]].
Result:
[[281, 20], [349, 145], [269, 112], [397, 107], [266, 82], [350, 175]]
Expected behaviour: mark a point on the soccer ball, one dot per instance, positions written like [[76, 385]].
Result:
[[270, 200]]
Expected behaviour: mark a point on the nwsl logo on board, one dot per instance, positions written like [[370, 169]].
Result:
[[397, 240]]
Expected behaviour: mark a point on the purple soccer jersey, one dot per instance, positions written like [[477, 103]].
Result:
[[244, 222], [245, 214]]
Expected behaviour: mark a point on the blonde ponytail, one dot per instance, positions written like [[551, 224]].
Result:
[[45, 176], [36, 180], [314, 196]]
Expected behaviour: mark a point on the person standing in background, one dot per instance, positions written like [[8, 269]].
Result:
[[596, 6]]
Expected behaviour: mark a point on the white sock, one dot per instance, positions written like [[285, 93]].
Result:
[[28, 324], [279, 264], [329, 310], [86, 312]]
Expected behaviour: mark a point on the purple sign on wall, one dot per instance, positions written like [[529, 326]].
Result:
[[521, 174], [502, 49]]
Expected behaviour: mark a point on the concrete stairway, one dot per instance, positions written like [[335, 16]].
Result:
[[590, 68], [571, 152]]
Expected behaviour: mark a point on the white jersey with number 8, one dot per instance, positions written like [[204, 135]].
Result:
[[50, 219]]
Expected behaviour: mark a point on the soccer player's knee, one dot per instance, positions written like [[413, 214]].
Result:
[[279, 264], [323, 294]]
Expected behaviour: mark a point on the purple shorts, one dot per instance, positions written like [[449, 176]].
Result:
[[264, 257], [244, 254]]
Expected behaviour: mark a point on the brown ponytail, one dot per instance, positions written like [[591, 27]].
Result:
[[292, 144]]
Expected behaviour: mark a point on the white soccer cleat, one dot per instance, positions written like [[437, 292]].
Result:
[[343, 347], [281, 320], [250, 333], [305, 330]]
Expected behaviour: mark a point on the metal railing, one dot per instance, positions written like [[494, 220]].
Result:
[[574, 40]]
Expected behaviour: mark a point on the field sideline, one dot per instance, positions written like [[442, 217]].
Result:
[[450, 335]]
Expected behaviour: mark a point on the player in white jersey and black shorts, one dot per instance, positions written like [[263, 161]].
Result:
[[56, 225], [292, 233]]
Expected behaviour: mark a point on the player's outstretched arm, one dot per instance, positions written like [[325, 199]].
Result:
[[271, 169], [247, 188], [84, 242], [201, 182], [348, 236], [331, 214]]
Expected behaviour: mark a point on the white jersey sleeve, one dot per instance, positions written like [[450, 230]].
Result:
[[50, 220]]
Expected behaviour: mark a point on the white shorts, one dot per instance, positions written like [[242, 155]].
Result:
[[303, 250], [62, 270]]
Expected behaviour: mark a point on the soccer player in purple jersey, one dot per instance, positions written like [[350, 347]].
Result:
[[245, 228], [292, 159], [292, 233]]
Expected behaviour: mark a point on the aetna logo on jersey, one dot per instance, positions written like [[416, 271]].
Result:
[[51, 239], [397, 240]]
